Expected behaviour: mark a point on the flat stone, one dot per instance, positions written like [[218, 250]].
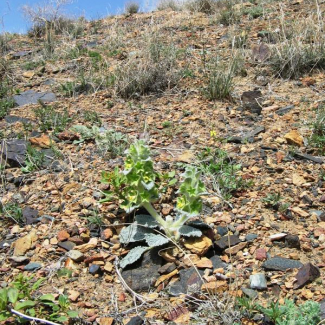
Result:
[[293, 137], [218, 263], [251, 237], [284, 110], [24, 244], [226, 241], [75, 255], [222, 231], [281, 264], [14, 152], [142, 275], [167, 268], [250, 101], [11, 119], [18, 260], [322, 309], [235, 249], [67, 245], [30, 215], [20, 54], [136, 320], [300, 155], [62, 235], [32, 266], [189, 282], [94, 269], [261, 254], [32, 97], [258, 281], [250, 293], [306, 274], [292, 241]]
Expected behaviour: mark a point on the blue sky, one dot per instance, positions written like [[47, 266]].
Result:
[[13, 20]]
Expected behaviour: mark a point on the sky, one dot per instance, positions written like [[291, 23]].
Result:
[[12, 19]]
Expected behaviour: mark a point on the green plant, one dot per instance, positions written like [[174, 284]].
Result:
[[6, 102], [254, 12], [166, 124], [13, 211], [168, 4], [132, 7], [21, 296], [221, 172], [92, 117], [247, 305], [34, 160], [317, 138], [273, 200], [51, 119], [107, 141], [135, 187]]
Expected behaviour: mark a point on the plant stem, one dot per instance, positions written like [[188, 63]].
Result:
[[152, 211]]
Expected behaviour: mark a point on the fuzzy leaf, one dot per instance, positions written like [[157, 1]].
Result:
[[154, 240], [25, 304], [133, 255], [199, 224], [146, 221], [189, 231], [131, 234]]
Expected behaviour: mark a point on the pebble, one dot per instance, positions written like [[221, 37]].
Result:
[[281, 264], [75, 255], [251, 237], [32, 266], [94, 269], [258, 281]]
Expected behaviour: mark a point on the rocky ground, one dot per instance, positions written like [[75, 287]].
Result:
[[266, 214]]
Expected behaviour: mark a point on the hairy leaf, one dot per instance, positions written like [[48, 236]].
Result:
[[133, 255], [189, 231], [154, 240], [146, 221]]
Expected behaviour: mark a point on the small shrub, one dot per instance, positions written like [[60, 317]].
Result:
[[92, 117], [168, 4], [317, 138], [4, 42], [49, 118], [205, 6], [34, 160], [254, 12], [12, 211], [132, 7]]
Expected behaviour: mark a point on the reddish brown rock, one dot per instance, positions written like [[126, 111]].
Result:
[[261, 254], [306, 274], [63, 235], [106, 234]]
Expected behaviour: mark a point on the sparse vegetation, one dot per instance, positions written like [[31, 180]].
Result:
[[12, 211], [317, 138], [34, 160], [132, 7]]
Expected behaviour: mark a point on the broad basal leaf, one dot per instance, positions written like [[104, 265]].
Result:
[[146, 221], [13, 295], [133, 255], [25, 304], [133, 233], [154, 240], [189, 231]]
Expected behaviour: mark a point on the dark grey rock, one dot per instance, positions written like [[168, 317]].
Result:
[[284, 110], [306, 274], [292, 241], [247, 137], [167, 268], [30, 215], [51, 161], [67, 245], [300, 155], [281, 264], [136, 320], [20, 54], [250, 293], [250, 101], [32, 97], [49, 82], [217, 262], [189, 282], [258, 281], [142, 275], [222, 230], [251, 237], [94, 269], [11, 119], [14, 152], [32, 266], [226, 241], [18, 260], [91, 44], [322, 309]]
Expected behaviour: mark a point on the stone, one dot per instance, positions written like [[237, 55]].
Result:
[[189, 282], [252, 294], [20, 54], [322, 309], [281, 264], [292, 241], [167, 268], [278, 236], [214, 287], [18, 260], [67, 245], [24, 244], [75, 255], [30, 215], [14, 152], [32, 97], [261, 52], [198, 245], [258, 281], [94, 258], [218, 263], [63, 235], [293, 137], [227, 241], [106, 321], [235, 249], [136, 320], [94, 269], [261, 254], [306, 274], [222, 231], [251, 237], [250, 101], [86, 247], [106, 234], [11, 119], [32, 266], [284, 110], [29, 74], [142, 275], [300, 155], [73, 295], [42, 141]]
